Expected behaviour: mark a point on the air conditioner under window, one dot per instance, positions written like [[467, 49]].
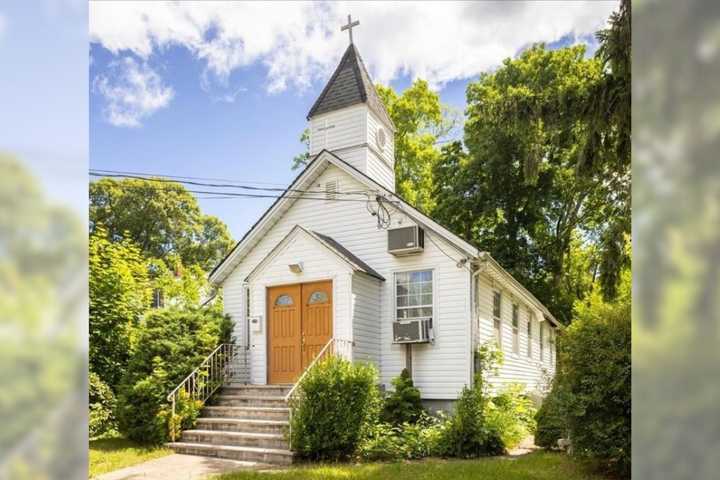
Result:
[[413, 331], [406, 240]]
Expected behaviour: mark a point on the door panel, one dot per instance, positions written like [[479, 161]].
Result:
[[284, 334], [317, 319], [300, 323]]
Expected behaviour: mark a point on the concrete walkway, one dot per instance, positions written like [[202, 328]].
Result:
[[179, 467]]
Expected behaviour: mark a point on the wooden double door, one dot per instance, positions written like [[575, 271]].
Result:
[[300, 323]]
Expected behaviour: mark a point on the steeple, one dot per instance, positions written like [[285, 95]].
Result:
[[349, 85], [349, 119]]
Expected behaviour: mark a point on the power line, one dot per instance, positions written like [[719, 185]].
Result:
[[95, 173], [227, 195], [210, 179]]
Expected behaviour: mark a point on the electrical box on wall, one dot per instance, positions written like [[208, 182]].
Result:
[[256, 324]]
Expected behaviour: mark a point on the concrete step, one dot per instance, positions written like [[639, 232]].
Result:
[[259, 390], [249, 413], [249, 401], [247, 454], [237, 439], [241, 425]]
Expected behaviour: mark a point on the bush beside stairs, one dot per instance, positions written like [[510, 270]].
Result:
[[243, 422]]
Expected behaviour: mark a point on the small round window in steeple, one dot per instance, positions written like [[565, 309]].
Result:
[[380, 138]]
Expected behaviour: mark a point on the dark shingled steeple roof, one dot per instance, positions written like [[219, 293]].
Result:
[[350, 85]]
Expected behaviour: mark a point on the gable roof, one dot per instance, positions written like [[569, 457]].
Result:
[[350, 84], [358, 264], [334, 247], [311, 171]]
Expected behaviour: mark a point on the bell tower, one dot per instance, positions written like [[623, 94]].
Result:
[[350, 120]]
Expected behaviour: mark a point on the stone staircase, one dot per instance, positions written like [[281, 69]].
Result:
[[242, 422]]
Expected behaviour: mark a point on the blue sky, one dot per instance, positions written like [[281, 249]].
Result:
[[216, 102]]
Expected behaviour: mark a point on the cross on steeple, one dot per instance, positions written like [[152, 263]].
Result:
[[349, 27]]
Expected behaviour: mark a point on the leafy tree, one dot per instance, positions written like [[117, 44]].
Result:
[[302, 159], [594, 377], [421, 121], [161, 218], [514, 190], [119, 294]]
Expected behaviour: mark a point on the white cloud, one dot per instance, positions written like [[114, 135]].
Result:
[[132, 91], [301, 42]]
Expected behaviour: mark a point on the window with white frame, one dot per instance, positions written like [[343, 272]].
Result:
[[516, 328], [497, 319], [531, 317], [542, 341], [414, 295]]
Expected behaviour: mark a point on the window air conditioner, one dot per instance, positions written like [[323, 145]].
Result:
[[406, 240], [413, 331]]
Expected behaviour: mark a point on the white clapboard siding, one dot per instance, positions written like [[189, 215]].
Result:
[[366, 308], [517, 368], [441, 370]]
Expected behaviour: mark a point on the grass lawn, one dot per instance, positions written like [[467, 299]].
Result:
[[108, 454], [534, 466]]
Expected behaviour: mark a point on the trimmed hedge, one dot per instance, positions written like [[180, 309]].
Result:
[[168, 345], [336, 405], [403, 405]]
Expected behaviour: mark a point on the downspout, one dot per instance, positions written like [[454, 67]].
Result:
[[480, 264]]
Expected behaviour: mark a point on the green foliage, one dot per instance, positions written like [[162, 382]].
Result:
[[385, 441], [403, 405], [302, 159], [514, 190], [551, 419], [336, 404], [161, 218], [101, 400], [469, 433], [421, 121], [119, 290], [595, 373], [167, 346], [512, 413]]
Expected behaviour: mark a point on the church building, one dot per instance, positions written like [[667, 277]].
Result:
[[340, 262]]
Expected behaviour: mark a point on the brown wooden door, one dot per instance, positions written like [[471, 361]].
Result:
[[284, 333], [300, 323], [317, 319]]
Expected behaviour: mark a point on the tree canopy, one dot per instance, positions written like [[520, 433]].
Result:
[[162, 219]]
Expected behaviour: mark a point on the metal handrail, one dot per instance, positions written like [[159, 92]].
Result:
[[332, 342], [202, 382]]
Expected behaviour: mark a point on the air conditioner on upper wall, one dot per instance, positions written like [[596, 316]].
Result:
[[406, 240], [413, 331]]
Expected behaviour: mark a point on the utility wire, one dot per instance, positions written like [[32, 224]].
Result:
[[210, 179], [219, 185], [221, 194]]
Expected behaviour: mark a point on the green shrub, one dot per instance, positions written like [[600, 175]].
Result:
[[101, 401], [403, 405], [422, 439], [168, 346], [338, 402], [512, 413], [469, 432], [551, 422], [595, 375]]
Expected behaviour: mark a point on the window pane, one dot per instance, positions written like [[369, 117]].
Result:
[[402, 290], [318, 297], [402, 301], [284, 300]]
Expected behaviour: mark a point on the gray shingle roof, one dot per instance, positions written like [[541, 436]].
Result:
[[350, 84], [344, 252]]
